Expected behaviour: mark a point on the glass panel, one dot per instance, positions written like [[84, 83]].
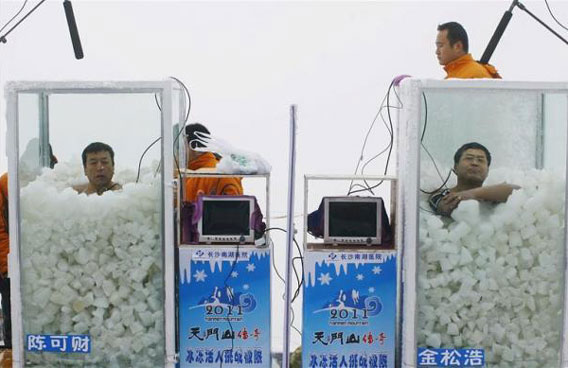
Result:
[[462, 116], [491, 274], [92, 264], [555, 117]]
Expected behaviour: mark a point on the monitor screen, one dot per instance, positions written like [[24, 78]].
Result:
[[353, 219], [230, 217]]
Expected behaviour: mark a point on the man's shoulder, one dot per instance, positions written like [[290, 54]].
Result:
[[466, 67], [80, 188]]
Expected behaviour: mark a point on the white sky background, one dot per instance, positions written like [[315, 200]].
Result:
[[245, 63]]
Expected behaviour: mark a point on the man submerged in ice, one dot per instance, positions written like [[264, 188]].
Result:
[[98, 163], [471, 166]]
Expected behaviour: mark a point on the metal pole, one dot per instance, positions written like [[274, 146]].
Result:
[[290, 237]]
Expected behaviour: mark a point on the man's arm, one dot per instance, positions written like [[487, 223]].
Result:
[[444, 203], [491, 193]]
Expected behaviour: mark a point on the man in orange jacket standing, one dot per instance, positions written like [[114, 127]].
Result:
[[197, 160], [452, 51]]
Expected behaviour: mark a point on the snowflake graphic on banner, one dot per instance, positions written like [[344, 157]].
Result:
[[200, 276], [324, 279]]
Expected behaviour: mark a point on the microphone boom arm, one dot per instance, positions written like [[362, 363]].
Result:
[[503, 25], [522, 7], [3, 37]]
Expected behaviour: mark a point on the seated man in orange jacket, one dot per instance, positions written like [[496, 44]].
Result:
[[197, 160], [452, 47]]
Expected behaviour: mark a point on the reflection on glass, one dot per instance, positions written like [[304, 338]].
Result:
[[29, 142], [92, 265], [491, 275]]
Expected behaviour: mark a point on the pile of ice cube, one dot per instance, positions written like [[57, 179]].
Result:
[[492, 276], [93, 265]]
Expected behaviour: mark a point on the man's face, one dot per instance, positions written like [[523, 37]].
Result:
[[472, 166], [445, 52], [99, 169]]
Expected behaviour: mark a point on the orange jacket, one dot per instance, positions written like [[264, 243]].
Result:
[[210, 186], [466, 68], [4, 239]]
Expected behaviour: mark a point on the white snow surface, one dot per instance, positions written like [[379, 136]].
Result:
[[492, 277], [93, 265]]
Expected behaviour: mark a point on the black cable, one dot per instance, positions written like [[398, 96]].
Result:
[[425, 117], [3, 37], [553, 17], [276, 271], [186, 92], [440, 187], [232, 296], [392, 136], [141, 157], [390, 129], [297, 279], [188, 96], [444, 181], [299, 282], [157, 103], [14, 17], [381, 106]]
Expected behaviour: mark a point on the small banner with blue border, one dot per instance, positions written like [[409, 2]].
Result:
[[349, 309], [224, 307], [468, 358], [58, 343]]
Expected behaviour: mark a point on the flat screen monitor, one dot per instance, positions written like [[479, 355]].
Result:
[[226, 219], [352, 220]]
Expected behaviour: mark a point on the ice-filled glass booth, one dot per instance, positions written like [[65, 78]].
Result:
[[490, 277], [92, 275]]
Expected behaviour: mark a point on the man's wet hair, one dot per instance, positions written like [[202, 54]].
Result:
[[471, 145], [97, 147], [456, 33], [192, 137]]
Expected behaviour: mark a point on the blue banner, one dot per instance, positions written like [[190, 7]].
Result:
[[349, 312], [224, 307], [450, 358], [59, 343]]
